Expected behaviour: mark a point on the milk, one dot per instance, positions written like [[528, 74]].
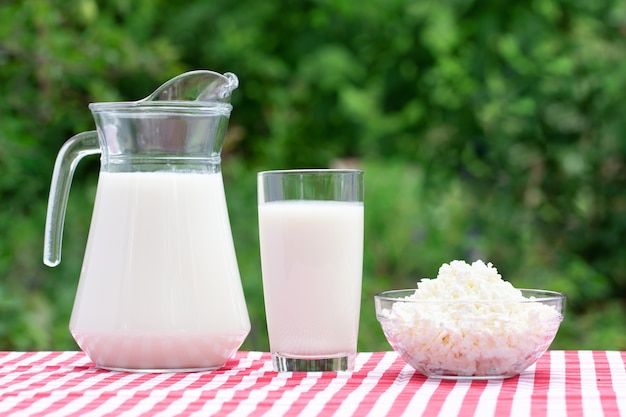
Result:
[[160, 286], [312, 256]]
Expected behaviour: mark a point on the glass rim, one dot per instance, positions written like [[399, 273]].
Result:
[[161, 106], [539, 296], [303, 171]]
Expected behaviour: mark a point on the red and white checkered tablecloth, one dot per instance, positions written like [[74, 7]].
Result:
[[572, 383]]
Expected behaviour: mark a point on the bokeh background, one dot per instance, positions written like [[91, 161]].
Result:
[[487, 129]]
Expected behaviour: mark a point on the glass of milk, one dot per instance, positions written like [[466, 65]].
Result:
[[311, 241]]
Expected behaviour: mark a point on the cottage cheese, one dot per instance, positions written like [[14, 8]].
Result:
[[470, 322]]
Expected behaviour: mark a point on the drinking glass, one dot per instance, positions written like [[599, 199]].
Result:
[[311, 241]]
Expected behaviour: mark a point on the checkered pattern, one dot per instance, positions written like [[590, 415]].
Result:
[[572, 383]]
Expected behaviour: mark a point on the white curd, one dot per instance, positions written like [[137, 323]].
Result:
[[470, 322]]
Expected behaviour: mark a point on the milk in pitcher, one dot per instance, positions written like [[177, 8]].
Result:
[[159, 289]]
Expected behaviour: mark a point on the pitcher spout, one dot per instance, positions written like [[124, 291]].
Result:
[[201, 86]]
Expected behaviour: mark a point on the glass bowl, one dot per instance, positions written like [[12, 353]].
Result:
[[470, 339]]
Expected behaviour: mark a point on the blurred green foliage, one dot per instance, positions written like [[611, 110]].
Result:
[[486, 129]]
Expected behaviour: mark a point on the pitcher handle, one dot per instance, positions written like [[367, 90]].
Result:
[[71, 153]]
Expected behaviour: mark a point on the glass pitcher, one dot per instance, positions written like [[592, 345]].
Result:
[[159, 288]]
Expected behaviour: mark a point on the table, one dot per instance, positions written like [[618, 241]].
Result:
[[573, 383]]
